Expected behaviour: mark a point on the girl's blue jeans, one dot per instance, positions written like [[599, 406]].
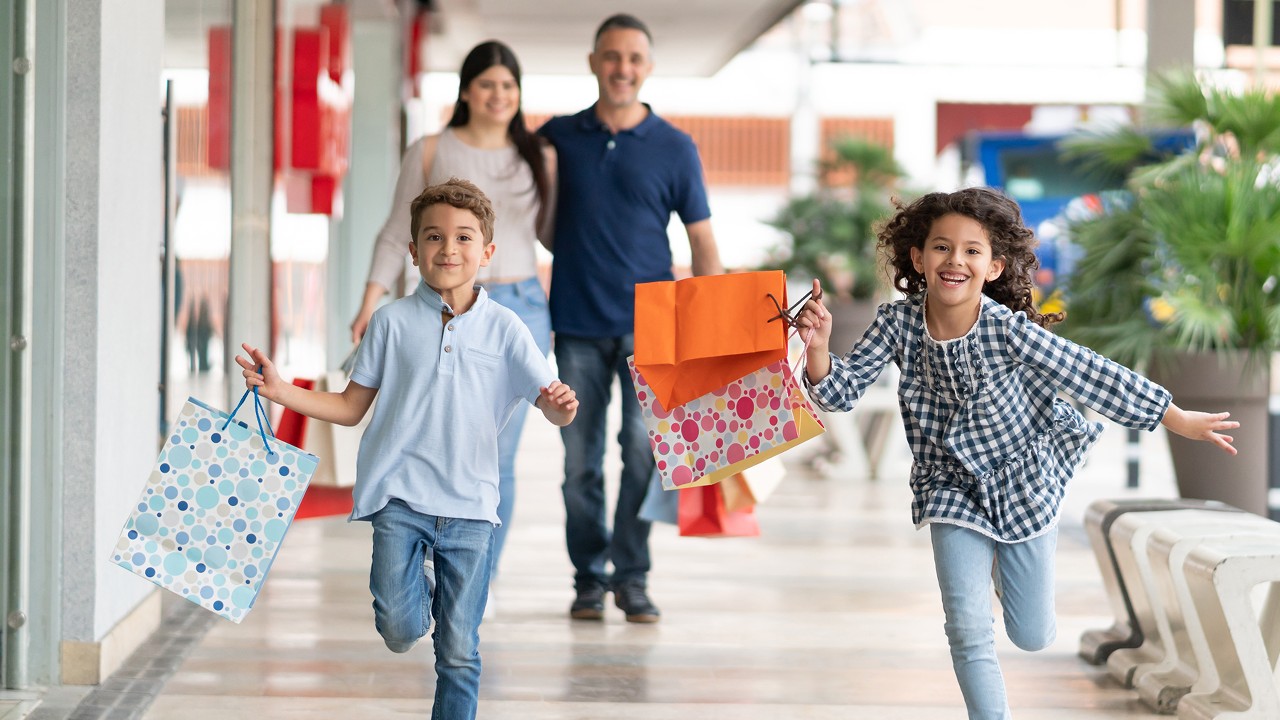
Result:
[[527, 300], [404, 603], [963, 559]]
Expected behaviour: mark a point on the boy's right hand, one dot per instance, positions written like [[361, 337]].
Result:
[[268, 379]]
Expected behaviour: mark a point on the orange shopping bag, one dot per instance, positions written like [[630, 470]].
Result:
[[695, 335]]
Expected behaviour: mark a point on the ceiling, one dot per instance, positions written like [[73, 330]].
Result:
[[691, 37]]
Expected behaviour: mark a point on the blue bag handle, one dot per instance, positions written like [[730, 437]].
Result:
[[259, 414]]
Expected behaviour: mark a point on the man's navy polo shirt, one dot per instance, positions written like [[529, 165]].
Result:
[[615, 197]]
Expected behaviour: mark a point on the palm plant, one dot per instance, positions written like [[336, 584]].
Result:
[[1188, 260], [832, 232]]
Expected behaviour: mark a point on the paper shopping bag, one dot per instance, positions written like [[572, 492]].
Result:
[[753, 485], [703, 514], [740, 425], [658, 506], [701, 333], [735, 493], [337, 446], [214, 510], [292, 427]]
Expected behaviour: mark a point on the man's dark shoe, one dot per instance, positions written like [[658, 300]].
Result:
[[589, 605], [631, 598]]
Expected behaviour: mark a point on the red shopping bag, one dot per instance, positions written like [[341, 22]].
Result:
[[292, 427], [702, 514]]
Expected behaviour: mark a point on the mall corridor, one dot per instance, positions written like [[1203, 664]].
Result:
[[832, 613]]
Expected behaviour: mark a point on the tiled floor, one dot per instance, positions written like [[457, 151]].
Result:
[[832, 613]]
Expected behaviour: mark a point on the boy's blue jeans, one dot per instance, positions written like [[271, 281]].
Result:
[[403, 603], [590, 366], [963, 558], [527, 300]]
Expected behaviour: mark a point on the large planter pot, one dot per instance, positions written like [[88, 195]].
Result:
[[1218, 382]]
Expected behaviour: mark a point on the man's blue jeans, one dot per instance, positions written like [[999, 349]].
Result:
[[590, 366], [403, 603], [527, 300], [963, 559]]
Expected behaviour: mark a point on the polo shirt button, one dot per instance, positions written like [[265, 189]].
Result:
[[611, 145], [448, 348], [450, 327]]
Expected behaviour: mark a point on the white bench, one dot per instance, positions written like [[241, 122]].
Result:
[[1129, 536], [1097, 645], [1241, 645], [1149, 602], [1179, 672]]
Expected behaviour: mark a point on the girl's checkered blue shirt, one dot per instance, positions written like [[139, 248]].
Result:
[[993, 443]]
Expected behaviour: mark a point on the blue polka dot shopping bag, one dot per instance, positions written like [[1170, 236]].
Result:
[[215, 509]]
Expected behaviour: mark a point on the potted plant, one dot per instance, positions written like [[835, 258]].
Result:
[[1179, 274], [831, 235]]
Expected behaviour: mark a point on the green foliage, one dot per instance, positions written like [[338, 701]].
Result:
[[832, 232], [1190, 261]]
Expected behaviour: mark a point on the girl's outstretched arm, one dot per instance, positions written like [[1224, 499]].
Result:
[[1201, 426]]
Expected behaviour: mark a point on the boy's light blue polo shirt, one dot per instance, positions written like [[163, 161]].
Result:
[[444, 392]]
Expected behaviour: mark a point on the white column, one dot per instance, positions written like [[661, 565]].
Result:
[[371, 175], [252, 86]]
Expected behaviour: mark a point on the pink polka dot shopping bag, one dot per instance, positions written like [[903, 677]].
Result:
[[215, 509], [735, 427]]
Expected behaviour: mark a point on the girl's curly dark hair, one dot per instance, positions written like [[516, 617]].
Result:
[[1011, 240]]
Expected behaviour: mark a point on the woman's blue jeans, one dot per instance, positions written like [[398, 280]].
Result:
[[527, 300], [590, 366], [963, 559], [404, 604]]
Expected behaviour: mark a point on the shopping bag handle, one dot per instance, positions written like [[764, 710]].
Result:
[[788, 315], [788, 318], [259, 414]]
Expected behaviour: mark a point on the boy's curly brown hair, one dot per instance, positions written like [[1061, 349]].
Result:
[[462, 194], [1011, 240]]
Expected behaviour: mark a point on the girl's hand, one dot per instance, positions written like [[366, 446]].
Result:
[[815, 329], [1201, 426], [268, 380], [814, 320]]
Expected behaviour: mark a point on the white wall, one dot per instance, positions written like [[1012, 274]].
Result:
[[118, 220]]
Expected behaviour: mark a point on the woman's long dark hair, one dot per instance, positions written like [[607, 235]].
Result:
[[1011, 240], [482, 57]]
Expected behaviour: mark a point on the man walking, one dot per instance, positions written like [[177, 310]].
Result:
[[622, 171]]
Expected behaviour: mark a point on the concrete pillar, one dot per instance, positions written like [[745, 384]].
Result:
[[371, 175], [806, 133], [1171, 29], [249, 299]]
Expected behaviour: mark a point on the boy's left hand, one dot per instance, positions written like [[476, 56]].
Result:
[[559, 397]]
